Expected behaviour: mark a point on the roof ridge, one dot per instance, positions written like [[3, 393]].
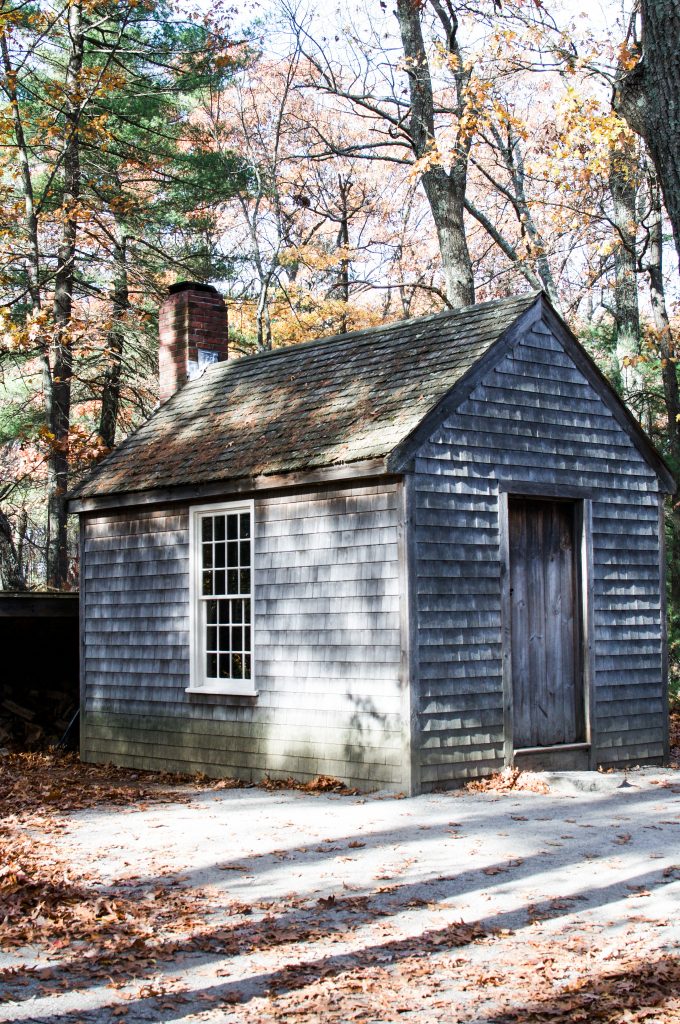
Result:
[[369, 332]]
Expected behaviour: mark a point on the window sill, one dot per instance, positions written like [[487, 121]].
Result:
[[233, 690]]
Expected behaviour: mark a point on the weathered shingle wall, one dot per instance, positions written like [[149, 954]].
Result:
[[326, 644], [533, 419]]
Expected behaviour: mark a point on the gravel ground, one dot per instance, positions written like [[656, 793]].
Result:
[[468, 906]]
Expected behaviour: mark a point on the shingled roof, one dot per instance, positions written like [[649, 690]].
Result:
[[340, 400]]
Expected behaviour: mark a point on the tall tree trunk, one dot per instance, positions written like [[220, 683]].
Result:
[[663, 329], [648, 97], [12, 574], [445, 190], [120, 301], [343, 242], [510, 149], [623, 188], [30, 216], [62, 354], [11, 557], [669, 374]]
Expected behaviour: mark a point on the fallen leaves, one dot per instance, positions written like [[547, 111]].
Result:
[[45, 783], [675, 736], [319, 784], [497, 869], [339, 953], [509, 780]]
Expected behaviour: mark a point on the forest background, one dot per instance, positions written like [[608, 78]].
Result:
[[327, 169]]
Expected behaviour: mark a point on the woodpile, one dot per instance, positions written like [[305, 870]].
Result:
[[37, 720], [39, 688]]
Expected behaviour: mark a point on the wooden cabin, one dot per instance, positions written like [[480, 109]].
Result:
[[405, 557]]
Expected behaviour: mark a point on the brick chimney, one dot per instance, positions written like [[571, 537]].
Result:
[[192, 327]]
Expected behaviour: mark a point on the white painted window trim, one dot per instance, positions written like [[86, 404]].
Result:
[[197, 683]]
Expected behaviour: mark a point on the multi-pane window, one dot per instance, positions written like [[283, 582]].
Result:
[[223, 592]]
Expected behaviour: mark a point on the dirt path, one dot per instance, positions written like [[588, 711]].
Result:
[[206, 904]]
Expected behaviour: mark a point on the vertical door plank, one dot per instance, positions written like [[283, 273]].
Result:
[[520, 624], [539, 683], [545, 637], [551, 724]]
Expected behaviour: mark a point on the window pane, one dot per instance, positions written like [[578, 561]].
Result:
[[226, 572]]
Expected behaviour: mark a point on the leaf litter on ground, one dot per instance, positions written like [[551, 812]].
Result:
[[117, 932]]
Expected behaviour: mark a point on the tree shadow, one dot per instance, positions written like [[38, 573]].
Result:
[[610, 997], [325, 919]]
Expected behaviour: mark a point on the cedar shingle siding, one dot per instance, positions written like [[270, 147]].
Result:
[[382, 601], [327, 644], [536, 420]]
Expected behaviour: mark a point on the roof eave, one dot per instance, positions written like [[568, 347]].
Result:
[[234, 488]]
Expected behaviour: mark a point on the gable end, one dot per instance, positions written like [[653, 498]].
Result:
[[400, 457], [541, 310], [605, 391]]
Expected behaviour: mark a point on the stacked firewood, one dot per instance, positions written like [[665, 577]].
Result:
[[34, 719]]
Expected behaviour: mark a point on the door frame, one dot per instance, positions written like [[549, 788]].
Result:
[[583, 541]]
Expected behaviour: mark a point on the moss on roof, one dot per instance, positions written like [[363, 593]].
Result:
[[319, 404]]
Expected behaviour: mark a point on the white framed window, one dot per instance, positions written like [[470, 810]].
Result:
[[221, 595]]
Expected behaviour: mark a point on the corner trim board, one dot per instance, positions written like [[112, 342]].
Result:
[[506, 627], [408, 671], [588, 627], [664, 632], [81, 642]]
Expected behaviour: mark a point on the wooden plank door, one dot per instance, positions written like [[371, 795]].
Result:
[[547, 676]]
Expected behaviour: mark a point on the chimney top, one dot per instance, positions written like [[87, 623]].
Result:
[[191, 286], [193, 333]]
